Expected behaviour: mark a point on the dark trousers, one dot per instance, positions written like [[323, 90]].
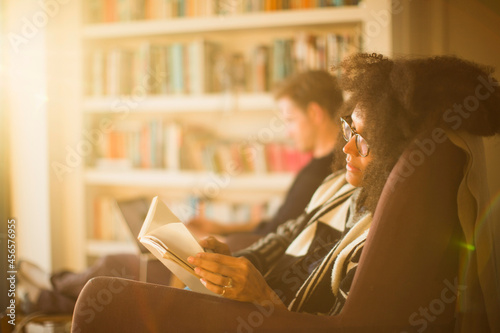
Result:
[[68, 285]]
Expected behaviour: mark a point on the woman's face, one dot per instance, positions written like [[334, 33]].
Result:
[[356, 164]]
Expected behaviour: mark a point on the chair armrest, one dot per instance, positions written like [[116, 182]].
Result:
[[108, 304]]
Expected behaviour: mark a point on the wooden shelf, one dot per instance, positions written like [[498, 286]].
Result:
[[276, 182], [260, 20], [182, 103]]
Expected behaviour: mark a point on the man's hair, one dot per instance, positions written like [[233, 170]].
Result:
[[312, 86]]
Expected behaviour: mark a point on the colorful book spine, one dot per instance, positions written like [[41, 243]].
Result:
[[110, 11], [94, 11], [181, 8], [196, 68], [98, 65], [177, 68]]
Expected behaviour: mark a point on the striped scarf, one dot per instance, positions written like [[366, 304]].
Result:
[[309, 261], [335, 272]]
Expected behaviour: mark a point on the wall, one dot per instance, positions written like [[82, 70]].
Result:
[[4, 174], [469, 29], [474, 34], [26, 97], [64, 85]]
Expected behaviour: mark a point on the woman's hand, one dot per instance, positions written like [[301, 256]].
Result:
[[234, 278], [211, 243]]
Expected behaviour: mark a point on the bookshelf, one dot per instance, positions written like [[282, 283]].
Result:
[[240, 114], [262, 20], [186, 103], [186, 180]]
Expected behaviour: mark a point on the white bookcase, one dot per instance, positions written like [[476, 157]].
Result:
[[242, 114]]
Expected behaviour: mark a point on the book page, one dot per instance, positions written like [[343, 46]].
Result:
[[178, 239], [186, 276], [158, 216], [173, 240]]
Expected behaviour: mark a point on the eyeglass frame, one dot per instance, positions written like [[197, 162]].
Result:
[[354, 133]]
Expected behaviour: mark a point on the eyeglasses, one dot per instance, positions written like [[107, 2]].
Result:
[[348, 132]]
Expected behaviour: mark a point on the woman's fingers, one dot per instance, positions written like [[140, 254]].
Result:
[[234, 278], [213, 287], [208, 243], [225, 291], [201, 259], [215, 282], [213, 244], [219, 258], [221, 274], [213, 263], [214, 278]]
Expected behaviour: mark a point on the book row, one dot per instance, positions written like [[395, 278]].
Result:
[[156, 69], [171, 146], [108, 11], [201, 66]]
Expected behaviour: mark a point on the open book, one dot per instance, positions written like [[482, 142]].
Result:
[[165, 236]]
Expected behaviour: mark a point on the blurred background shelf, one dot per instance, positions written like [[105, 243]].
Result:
[[262, 20], [274, 182], [184, 103], [97, 248]]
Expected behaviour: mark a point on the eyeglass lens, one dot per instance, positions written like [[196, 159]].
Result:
[[361, 143]]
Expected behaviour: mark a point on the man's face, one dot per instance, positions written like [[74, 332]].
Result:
[[300, 127]]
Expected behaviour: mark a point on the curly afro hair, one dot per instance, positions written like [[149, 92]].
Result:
[[400, 99]]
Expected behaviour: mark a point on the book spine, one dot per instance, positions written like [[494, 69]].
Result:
[[277, 66], [321, 52], [145, 67], [176, 68], [103, 219], [145, 147], [148, 15], [97, 73], [153, 143], [194, 67], [181, 8], [127, 74], [123, 8], [95, 11], [112, 72], [172, 144], [110, 11]]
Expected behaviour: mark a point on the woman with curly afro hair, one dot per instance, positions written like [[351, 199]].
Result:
[[423, 103]]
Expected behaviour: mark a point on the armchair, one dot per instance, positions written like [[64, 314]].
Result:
[[417, 261]]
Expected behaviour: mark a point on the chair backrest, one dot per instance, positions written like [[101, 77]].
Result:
[[409, 270]]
